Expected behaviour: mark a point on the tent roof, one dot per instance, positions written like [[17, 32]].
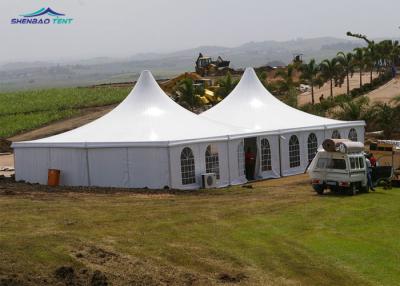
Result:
[[147, 116], [254, 109]]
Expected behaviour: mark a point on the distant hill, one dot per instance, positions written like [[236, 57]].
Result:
[[15, 76]]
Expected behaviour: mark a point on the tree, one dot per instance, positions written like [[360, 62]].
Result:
[[360, 36], [346, 62], [369, 60], [358, 61], [329, 71], [309, 74], [386, 117], [187, 93], [357, 109], [226, 85], [286, 82]]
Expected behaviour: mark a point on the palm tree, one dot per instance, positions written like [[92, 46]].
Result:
[[226, 85], [309, 74], [358, 61], [357, 109], [369, 60], [386, 118], [188, 92], [287, 78], [346, 62], [329, 71]]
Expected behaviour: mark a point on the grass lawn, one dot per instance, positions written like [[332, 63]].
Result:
[[26, 110], [278, 233]]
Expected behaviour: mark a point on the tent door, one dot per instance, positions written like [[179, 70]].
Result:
[[250, 149]]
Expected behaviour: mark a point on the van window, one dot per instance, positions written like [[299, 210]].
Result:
[[361, 160], [339, 164], [352, 162]]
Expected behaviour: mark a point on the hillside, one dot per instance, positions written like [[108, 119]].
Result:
[[16, 76]]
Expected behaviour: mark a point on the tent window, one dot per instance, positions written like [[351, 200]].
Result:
[[240, 154], [353, 134], [212, 160], [187, 167], [265, 155], [312, 146], [335, 134], [294, 152]]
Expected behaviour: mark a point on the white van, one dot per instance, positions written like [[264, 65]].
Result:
[[343, 169]]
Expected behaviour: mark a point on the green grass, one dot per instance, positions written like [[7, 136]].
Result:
[[273, 235], [26, 110]]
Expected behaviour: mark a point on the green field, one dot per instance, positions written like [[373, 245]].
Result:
[[26, 110], [278, 233]]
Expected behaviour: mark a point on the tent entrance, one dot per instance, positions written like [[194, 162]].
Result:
[[250, 149]]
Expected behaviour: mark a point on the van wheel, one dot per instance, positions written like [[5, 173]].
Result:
[[319, 189], [364, 189], [352, 190]]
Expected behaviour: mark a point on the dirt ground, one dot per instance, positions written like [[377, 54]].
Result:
[[6, 164], [386, 92], [325, 89]]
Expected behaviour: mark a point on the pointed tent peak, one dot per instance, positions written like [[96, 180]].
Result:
[[250, 79], [146, 82], [249, 91], [146, 91]]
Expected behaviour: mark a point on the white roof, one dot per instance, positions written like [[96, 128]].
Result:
[[255, 110], [146, 117]]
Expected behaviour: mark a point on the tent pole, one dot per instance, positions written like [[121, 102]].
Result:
[[229, 165], [280, 155], [169, 166], [87, 166]]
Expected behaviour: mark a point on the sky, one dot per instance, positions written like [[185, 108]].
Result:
[[121, 28]]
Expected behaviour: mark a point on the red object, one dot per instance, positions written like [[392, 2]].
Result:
[[249, 156], [373, 161], [53, 177]]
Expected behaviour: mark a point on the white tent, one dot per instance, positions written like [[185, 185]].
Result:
[[150, 141], [138, 144], [291, 136]]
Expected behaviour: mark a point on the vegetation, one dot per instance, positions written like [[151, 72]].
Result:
[[278, 233], [226, 85], [188, 94], [309, 73], [22, 111]]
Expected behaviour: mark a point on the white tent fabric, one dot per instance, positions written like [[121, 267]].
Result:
[[254, 109], [140, 143], [129, 147], [146, 117], [260, 114]]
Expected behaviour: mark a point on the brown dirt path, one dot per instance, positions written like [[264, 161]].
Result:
[[305, 97]]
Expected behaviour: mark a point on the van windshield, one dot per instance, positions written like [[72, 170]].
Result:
[[328, 163]]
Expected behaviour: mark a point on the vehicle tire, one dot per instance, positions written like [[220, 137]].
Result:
[[364, 189], [319, 189], [335, 189], [352, 189]]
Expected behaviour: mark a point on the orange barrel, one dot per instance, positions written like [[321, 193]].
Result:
[[53, 178]]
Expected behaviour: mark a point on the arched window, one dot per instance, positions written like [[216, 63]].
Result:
[[353, 134], [265, 155], [187, 167], [294, 152], [312, 146], [240, 154], [212, 160], [335, 134]]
